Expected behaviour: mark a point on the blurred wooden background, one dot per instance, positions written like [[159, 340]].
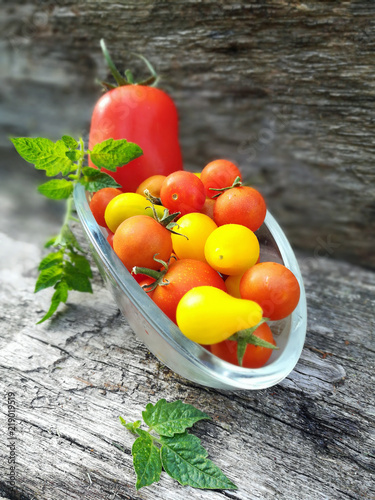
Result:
[[284, 88]]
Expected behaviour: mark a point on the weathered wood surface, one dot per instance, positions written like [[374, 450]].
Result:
[[285, 88], [311, 437]]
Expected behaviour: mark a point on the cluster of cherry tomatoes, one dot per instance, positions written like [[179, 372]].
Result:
[[189, 240]]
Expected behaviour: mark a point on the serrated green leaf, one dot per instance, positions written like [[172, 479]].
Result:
[[69, 142], [44, 154], [60, 295], [67, 238], [185, 460], [75, 279], [95, 180], [57, 189], [146, 460], [90, 171], [50, 242], [81, 263], [131, 426], [73, 155], [168, 419], [48, 277], [51, 260], [112, 153]]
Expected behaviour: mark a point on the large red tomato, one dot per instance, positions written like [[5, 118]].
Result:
[[146, 116]]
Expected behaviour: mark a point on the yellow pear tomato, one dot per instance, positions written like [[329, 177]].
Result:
[[207, 315]]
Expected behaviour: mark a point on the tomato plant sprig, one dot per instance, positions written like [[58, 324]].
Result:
[[66, 267], [176, 451]]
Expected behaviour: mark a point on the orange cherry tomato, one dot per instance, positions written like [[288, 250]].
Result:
[[273, 286], [138, 239], [152, 184]]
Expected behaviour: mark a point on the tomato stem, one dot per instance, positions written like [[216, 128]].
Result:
[[152, 273], [236, 183], [69, 202], [115, 72], [128, 79]]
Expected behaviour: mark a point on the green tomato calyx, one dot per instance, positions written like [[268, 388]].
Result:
[[128, 78], [247, 336], [159, 276]]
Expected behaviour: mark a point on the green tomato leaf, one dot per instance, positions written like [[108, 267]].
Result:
[[57, 189], [67, 238], [95, 179], [75, 279], [131, 426], [50, 242], [60, 295], [185, 460], [48, 277], [69, 142], [146, 459], [81, 263], [168, 419], [91, 171], [44, 154], [112, 153], [73, 155], [51, 260]]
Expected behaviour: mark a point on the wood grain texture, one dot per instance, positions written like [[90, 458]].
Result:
[[284, 88], [310, 437]]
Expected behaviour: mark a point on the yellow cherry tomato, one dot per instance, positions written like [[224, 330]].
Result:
[[232, 249], [126, 205], [196, 227], [233, 285], [207, 315], [198, 174]]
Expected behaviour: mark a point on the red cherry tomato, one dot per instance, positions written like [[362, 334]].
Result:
[[254, 357], [273, 286], [219, 174], [138, 239], [240, 205], [99, 203], [183, 192], [183, 275], [146, 116]]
